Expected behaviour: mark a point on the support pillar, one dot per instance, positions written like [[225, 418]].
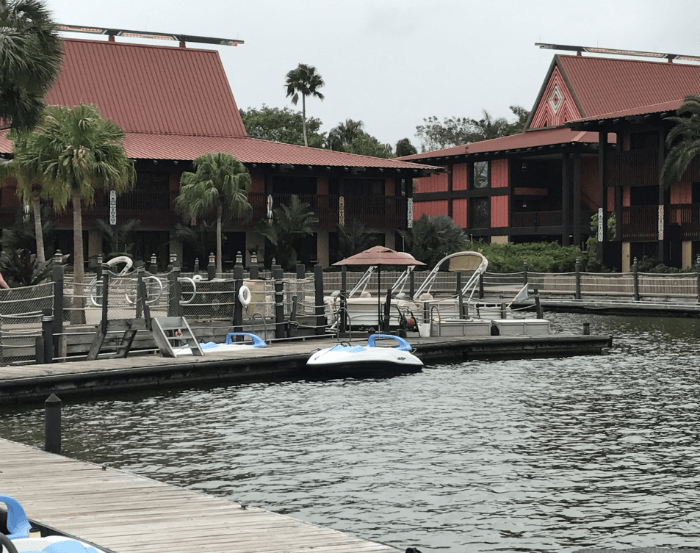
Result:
[[663, 205], [577, 200], [322, 241], [687, 254], [565, 202], [94, 247], [602, 194], [626, 261]]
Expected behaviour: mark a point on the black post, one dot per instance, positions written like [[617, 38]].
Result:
[[57, 276], [524, 272], [52, 424], [39, 349], [301, 271], [278, 275], [211, 268], [196, 265], [460, 298], [176, 293], [504, 311], [635, 276], [318, 300], [105, 295], [697, 270], [254, 269], [578, 279], [386, 321], [481, 286], [291, 330], [538, 305], [98, 269], [343, 299], [237, 305], [411, 284], [47, 334], [153, 269], [140, 301]]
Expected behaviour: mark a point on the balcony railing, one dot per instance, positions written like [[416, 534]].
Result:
[[688, 217], [632, 167], [640, 223], [533, 219]]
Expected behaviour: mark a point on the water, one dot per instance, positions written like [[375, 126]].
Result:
[[541, 455]]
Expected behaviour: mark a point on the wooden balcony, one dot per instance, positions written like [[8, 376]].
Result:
[[535, 219], [640, 223], [632, 168], [688, 217]]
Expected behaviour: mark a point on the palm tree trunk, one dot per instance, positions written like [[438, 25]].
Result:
[[38, 231], [78, 315], [303, 117], [219, 262]]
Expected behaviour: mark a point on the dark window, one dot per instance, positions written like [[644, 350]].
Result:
[[480, 175], [479, 213], [364, 187], [644, 195], [696, 193]]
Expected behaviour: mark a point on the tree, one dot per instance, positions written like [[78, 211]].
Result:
[[683, 140], [352, 239], [433, 238], [289, 225], [367, 145], [351, 137], [405, 148], [30, 56], [282, 125], [77, 150], [455, 131], [118, 238], [306, 81], [220, 182]]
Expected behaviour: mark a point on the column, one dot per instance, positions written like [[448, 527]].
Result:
[[565, 201], [602, 195], [577, 200]]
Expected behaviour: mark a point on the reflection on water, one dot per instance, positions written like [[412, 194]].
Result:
[[542, 455]]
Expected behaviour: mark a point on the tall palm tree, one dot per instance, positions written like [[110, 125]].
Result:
[[683, 139], [30, 56], [219, 181], [306, 81], [77, 150]]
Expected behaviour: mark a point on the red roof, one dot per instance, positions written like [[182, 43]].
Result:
[[604, 85], [149, 89], [639, 110], [520, 141]]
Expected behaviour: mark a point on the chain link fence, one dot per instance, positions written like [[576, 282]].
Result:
[[21, 311]]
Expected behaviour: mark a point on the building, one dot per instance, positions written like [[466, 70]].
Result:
[[595, 140], [175, 104]]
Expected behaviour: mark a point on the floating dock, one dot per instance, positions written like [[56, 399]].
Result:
[[280, 360], [124, 513]]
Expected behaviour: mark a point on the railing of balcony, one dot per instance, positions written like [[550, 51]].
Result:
[[688, 217], [639, 223], [632, 167], [537, 219], [376, 211]]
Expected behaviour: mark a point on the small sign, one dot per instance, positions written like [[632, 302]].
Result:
[[661, 222], [601, 222], [409, 215], [112, 207], [341, 211]]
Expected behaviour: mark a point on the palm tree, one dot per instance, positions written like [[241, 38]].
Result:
[[76, 150], [306, 81], [30, 56], [219, 181], [683, 140]]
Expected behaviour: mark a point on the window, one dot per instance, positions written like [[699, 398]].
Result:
[[479, 215], [480, 175]]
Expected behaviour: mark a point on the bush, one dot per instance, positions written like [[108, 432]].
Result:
[[541, 257]]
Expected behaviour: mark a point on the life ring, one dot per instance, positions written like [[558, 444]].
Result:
[[244, 296]]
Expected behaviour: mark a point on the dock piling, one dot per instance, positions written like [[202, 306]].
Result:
[[57, 277], [211, 268], [697, 270], [586, 329], [52, 424], [318, 300], [578, 278], [278, 275], [254, 269], [237, 305], [635, 275]]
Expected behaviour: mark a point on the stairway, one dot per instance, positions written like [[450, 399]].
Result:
[[164, 333]]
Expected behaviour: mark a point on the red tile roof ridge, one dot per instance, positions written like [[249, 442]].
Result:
[[634, 61], [138, 45], [641, 110]]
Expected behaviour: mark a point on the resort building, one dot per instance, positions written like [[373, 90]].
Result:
[[594, 143], [175, 104]]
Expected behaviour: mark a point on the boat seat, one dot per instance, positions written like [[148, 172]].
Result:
[[17, 522]]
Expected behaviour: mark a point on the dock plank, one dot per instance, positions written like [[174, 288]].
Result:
[[127, 513]]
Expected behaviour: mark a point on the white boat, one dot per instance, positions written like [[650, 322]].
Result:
[[229, 345], [351, 360], [52, 544]]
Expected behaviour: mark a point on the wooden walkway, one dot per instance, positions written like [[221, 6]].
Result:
[[280, 360], [125, 513]]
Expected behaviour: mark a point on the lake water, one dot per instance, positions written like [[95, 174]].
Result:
[[537, 455]]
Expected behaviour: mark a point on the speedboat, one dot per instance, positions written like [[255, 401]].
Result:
[[51, 544], [347, 359], [229, 345]]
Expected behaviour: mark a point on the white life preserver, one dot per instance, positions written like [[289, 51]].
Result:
[[244, 296]]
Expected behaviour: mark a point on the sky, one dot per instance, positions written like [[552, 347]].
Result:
[[392, 63]]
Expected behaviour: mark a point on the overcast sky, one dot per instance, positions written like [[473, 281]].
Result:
[[391, 63]]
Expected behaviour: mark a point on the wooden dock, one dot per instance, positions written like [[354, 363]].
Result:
[[280, 360], [125, 513]]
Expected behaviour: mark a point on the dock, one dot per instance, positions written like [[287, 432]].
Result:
[[20, 383], [123, 513]]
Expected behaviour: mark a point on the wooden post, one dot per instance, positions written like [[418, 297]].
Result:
[[460, 299], [278, 275], [343, 299], [577, 200], [140, 301], [697, 270], [47, 334], [538, 305], [635, 276], [105, 295], [602, 194], [52, 424], [481, 286], [57, 277], [174, 307], [411, 284], [211, 268], [291, 329], [504, 311], [565, 201], [524, 272], [237, 305], [578, 279], [254, 269], [318, 300], [98, 269], [39, 349]]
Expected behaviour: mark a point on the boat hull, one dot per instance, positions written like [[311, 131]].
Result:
[[362, 361]]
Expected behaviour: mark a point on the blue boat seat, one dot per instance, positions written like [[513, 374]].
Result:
[[403, 344], [17, 522], [258, 342]]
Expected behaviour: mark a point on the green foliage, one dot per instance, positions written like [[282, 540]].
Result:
[[22, 268], [683, 140], [201, 238], [290, 224], [117, 238], [282, 125], [405, 148], [432, 238], [653, 265], [306, 81], [30, 56], [354, 238], [367, 145], [455, 131], [350, 136], [541, 257], [22, 234]]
